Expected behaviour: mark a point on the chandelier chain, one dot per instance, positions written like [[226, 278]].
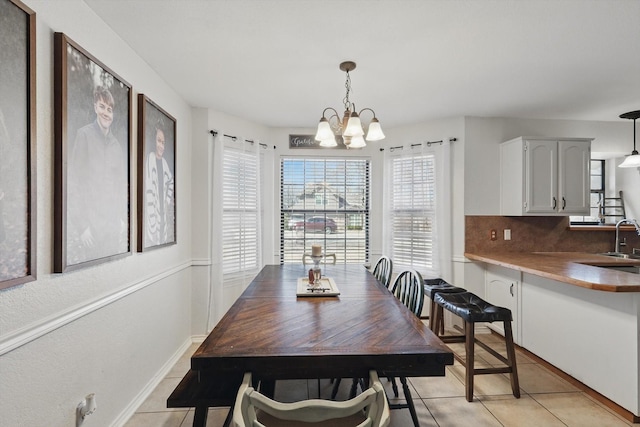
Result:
[[347, 85]]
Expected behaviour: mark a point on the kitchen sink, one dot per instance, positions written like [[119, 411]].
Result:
[[621, 255]]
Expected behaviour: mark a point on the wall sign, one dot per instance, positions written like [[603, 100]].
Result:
[[308, 141]]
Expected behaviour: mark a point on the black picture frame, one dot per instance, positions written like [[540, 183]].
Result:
[[17, 144], [92, 195], [156, 158]]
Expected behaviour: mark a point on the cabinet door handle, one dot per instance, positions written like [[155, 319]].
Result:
[[555, 203], [511, 289], [564, 203]]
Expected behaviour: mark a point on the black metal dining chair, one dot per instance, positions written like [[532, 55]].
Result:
[[409, 289], [383, 270]]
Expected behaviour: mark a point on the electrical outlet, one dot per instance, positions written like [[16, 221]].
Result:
[[493, 234], [507, 234]]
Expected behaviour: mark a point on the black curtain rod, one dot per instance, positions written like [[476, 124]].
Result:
[[400, 147], [235, 138]]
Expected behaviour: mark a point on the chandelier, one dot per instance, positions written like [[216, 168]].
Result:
[[632, 161], [350, 126]]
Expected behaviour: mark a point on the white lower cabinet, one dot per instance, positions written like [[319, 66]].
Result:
[[502, 288], [594, 336], [591, 335]]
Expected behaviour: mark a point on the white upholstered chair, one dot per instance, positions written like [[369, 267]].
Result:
[[368, 409]]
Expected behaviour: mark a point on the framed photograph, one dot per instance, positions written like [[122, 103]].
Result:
[[17, 144], [92, 160], [156, 176]]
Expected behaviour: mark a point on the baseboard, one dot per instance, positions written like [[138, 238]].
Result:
[[198, 339], [614, 407], [151, 385]]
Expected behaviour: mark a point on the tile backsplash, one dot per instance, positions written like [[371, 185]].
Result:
[[539, 234]]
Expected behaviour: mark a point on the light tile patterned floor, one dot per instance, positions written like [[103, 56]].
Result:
[[547, 399]]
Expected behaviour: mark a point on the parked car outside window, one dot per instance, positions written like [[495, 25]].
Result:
[[293, 221], [317, 224]]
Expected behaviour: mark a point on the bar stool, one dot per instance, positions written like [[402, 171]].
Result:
[[431, 288], [472, 309]]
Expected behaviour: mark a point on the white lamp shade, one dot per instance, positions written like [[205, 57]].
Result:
[[329, 142], [632, 161], [354, 127], [324, 130], [375, 131], [357, 142]]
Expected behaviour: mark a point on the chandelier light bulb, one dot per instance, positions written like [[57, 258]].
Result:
[[354, 126], [375, 131], [324, 130], [329, 142], [357, 142]]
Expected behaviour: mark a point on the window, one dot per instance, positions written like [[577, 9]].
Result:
[[597, 194], [240, 209], [326, 202], [412, 211]]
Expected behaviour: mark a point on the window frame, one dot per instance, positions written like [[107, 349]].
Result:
[[351, 240], [239, 261], [407, 247], [588, 219]]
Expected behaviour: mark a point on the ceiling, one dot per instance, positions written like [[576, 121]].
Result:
[[275, 62]]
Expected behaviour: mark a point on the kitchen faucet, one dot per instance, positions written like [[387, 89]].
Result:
[[624, 221]]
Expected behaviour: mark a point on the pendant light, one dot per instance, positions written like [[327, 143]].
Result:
[[632, 161]]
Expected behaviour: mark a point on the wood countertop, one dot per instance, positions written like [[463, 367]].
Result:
[[575, 268]]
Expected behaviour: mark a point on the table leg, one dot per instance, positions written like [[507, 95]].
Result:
[[200, 417], [268, 388], [227, 421]]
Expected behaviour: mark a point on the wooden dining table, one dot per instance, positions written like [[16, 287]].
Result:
[[277, 335]]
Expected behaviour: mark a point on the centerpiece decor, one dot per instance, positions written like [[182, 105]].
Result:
[[316, 256]]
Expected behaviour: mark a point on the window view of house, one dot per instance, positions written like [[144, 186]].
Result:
[[325, 202]]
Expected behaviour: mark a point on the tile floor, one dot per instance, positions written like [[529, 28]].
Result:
[[547, 399]]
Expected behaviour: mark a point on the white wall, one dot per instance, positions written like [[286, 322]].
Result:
[[110, 329], [210, 298]]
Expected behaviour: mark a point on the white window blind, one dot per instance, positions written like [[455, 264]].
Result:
[[412, 209], [240, 211], [325, 202]]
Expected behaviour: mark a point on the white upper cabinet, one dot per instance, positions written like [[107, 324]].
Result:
[[545, 176]]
